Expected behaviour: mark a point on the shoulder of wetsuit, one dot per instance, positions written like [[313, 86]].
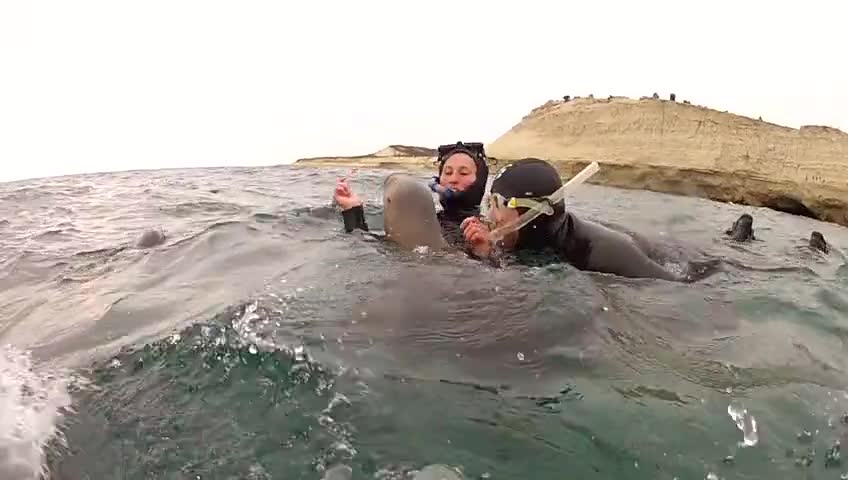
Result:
[[354, 218]]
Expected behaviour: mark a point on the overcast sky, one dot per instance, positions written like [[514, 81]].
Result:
[[113, 85]]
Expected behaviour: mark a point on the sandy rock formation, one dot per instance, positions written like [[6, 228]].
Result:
[[675, 147]]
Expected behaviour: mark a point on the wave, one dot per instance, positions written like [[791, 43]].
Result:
[[220, 380], [33, 406]]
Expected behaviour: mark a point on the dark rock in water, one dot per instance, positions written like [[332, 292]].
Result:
[[150, 238], [742, 229], [818, 242]]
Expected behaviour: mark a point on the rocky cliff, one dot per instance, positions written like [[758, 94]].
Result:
[[673, 147], [393, 156]]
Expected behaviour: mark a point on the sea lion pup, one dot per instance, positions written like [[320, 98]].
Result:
[[409, 214], [742, 229], [529, 184], [817, 242]]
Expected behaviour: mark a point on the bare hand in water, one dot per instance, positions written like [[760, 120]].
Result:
[[344, 196], [476, 233]]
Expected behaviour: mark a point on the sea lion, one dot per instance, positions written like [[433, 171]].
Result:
[[817, 242], [409, 213], [742, 229], [150, 238]]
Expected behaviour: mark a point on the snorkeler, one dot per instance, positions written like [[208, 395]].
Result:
[[526, 186], [460, 184]]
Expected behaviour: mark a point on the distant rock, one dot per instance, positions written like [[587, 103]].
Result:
[[393, 156]]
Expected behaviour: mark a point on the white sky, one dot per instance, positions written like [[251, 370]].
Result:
[[114, 85]]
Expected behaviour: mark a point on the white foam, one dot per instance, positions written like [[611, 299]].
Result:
[[32, 406]]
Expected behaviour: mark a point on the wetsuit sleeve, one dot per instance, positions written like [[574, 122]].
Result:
[[354, 218]]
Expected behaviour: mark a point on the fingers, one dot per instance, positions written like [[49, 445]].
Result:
[[469, 221], [475, 232]]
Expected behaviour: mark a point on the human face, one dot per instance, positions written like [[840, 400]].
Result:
[[500, 215], [459, 172]]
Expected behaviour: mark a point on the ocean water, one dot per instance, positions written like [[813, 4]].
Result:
[[260, 341]]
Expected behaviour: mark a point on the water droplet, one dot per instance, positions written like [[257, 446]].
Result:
[[485, 475], [728, 390], [804, 436], [711, 476], [746, 423], [636, 464], [298, 290], [606, 309], [252, 350], [844, 476], [520, 356], [363, 314]]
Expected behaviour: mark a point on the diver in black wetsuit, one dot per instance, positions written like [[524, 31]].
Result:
[[587, 245], [460, 183]]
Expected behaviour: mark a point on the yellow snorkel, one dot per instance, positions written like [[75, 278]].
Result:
[[536, 208]]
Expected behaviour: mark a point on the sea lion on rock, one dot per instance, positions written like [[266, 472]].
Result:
[[742, 229], [817, 242], [150, 238], [409, 213]]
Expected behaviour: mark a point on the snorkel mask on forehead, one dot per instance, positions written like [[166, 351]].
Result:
[[474, 150], [535, 206]]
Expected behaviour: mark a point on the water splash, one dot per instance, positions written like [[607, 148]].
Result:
[[746, 423], [32, 406]]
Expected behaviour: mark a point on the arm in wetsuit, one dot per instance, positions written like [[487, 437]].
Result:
[[354, 218]]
